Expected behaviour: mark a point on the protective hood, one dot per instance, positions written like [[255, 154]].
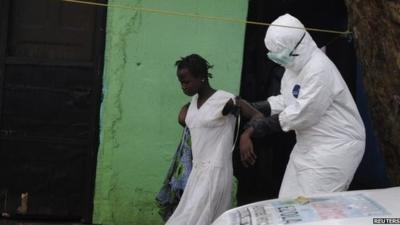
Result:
[[281, 35]]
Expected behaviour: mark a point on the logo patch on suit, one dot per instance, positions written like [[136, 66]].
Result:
[[296, 90]]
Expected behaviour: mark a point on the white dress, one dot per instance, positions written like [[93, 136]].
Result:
[[208, 190]]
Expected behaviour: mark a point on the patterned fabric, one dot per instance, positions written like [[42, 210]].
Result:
[[168, 197]]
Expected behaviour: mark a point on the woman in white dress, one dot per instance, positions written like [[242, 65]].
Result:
[[208, 190]]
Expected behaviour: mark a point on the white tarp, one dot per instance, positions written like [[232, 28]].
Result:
[[341, 208]]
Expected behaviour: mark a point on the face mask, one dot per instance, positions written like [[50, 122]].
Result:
[[286, 56], [282, 58]]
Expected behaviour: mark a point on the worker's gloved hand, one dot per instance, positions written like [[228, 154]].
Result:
[[264, 126], [263, 107]]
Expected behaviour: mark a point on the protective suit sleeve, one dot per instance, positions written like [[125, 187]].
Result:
[[276, 104], [263, 107], [264, 126], [314, 98]]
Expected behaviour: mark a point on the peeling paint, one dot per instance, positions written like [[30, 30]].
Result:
[[139, 130]]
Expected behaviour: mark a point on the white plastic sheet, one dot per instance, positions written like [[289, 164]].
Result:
[[342, 208]]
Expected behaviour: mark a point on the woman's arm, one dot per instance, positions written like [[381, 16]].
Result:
[[182, 115], [247, 111]]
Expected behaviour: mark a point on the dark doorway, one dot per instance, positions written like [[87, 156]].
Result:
[[51, 56]]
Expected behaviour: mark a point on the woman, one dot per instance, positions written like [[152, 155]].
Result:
[[212, 124]]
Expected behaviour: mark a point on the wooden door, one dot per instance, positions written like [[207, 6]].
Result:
[[51, 55]]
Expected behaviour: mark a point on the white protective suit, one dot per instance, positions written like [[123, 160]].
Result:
[[316, 103]]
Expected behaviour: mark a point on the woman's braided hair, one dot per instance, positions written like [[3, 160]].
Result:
[[196, 64]]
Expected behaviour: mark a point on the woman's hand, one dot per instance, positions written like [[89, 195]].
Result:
[[247, 155]]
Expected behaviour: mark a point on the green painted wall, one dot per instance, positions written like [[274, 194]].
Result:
[[142, 97]]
